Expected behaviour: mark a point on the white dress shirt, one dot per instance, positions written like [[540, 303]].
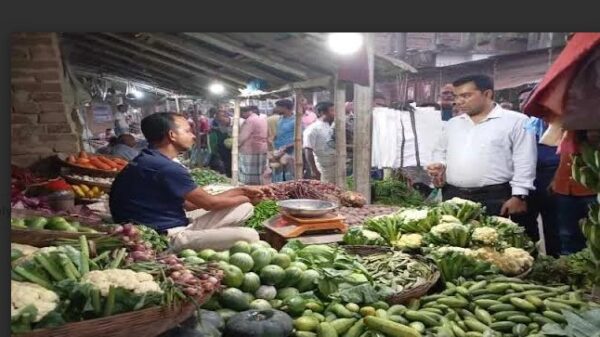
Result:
[[497, 150]]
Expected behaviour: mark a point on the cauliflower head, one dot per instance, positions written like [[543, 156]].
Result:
[[413, 214], [23, 294], [450, 249], [485, 235], [449, 219], [25, 249], [410, 241], [138, 282], [447, 227], [462, 202], [512, 261]]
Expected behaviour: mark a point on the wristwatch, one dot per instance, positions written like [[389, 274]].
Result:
[[523, 197]]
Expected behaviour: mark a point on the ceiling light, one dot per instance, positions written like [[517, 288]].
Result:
[[216, 88], [345, 43]]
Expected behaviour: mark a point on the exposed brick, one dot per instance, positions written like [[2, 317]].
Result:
[[42, 53], [47, 76], [66, 146], [27, 64], [52, 107], [51, 87], [27, 86], [32, 40], [47, 97], [26, 107], [58, 128], [53, 117], [25, 160], [67, 137], [24, 132], [20, 96], [17, 118], [18, 54], [22, 78], [23, 148]]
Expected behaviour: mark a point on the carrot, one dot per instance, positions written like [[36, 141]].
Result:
[[82, 154], [99, 164], [120, 161], [81, 161], [71, 159], [107, 161]]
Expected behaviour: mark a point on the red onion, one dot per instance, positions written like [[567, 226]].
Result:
[[139, 247], [203, 276], [177, 267], [190, 291], [140, 256], [118, 229], [125, 239], [212, 280], [176, 275]]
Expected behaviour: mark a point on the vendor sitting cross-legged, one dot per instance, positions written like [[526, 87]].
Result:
[[156, 191]]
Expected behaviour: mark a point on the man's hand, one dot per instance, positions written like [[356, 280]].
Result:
[[512, 206], [251, 192], [437, 173]]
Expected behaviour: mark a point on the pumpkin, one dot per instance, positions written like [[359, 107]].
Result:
[[259, 323]]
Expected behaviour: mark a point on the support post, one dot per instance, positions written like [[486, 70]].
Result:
[[339, 101], [299, 111], [234, 146], [177, 108], [363, 104]]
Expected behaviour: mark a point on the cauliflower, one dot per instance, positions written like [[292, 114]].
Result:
[[450, 249], [413, 214], [23, 294], [449, 219], [512, 261], [139, 283], [505, 222], [446, 227], [462, 202], [485, 235], [25, 249], [410, 241], [449, 233]]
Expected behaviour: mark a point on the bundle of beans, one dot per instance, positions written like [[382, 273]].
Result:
[[356, 216]]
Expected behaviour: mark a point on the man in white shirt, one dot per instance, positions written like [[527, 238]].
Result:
[[319, 148], [485, 154]]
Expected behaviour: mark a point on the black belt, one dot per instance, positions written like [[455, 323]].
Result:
[[483, 189]]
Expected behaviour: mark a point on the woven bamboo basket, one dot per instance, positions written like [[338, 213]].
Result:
[[149, 322], [416, 292], [364, 250], [62, 157], [44, 237]]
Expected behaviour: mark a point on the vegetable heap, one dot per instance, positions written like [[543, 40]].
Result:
[[312, 189], [98, 162], [55, 223], [204, 176], [392, 191], [263, 211]]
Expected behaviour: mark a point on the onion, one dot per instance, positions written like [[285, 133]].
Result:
[[139, 247], [118, 229], [133, 231], [177, 267], [137, 255], [190, 291], [125, 239], [212, 280], [203, 276], [176, 275]]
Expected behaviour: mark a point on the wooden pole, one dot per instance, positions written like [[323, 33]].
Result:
[[177, 104], [234, 146], [363, 105], [299, 111], [339, 101]]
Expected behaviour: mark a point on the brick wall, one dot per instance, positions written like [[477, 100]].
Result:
[[41, 122]]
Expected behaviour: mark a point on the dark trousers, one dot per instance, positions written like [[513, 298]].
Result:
[[571, 210], [543, 203], [492, 197]]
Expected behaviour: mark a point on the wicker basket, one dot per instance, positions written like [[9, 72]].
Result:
[[85, 170], [74, 181], [524, 274], [147, 322], [416, 292], [364, 250], [45, 238]]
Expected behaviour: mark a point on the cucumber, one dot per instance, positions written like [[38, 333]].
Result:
[[390, 328], [454, 302], [420, 327], [475, 325], [569, 302], [520, 330], [501, 307], [342, 325], [352, 307], [555, 316], [356, 330], [381, 313], [430, 298], [325, 329], [318, 316], [299, 333], [458, 331], [452, 315], [463, 291], [341, 311], [486, 303], [498, 288], [500, 279], [434, 310], [504, 315], [381, 305], [398, 319], [575, 296], [487, 297], [522, 304], [479, 292], [558, 307], [449, 292], [502, 326], [483, 316], [330, 318], [520, 319], [535, 300], [541, 320], [367, 311], [478, 285], [430, 304], [413, 315], [414, 304], [466, 313], [517, 287], [473, 334]]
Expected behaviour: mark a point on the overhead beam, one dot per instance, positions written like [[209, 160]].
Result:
[[156, 60], [161, 52], [321, 82], [232, 46], [191, 48], [319, 60], [85, 71]]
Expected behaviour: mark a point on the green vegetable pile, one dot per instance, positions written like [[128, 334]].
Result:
[[56, 223], [575, 269], [262, 212], [204, 176], [395, 192]]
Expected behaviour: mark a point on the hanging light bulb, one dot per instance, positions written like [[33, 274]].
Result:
[[345, 43], [216, 88]]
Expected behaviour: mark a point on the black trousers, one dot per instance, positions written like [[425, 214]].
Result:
[[492, 197]]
